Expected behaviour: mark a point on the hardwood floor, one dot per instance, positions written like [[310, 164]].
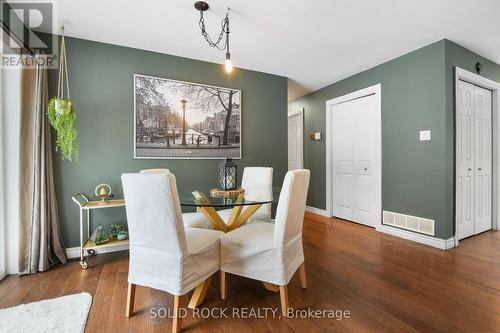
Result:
[[387, 284]]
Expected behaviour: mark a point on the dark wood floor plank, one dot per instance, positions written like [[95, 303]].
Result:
[[101, 304]]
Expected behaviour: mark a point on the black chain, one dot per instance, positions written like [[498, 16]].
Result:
[[224, 30]]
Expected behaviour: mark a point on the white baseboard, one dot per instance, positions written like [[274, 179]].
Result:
[[443, 244], [74, 252], [317, 211], [449, 243]]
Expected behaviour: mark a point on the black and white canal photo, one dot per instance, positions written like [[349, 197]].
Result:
[[178, 120]]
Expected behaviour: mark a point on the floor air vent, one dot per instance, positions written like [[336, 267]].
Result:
[[408, 222]]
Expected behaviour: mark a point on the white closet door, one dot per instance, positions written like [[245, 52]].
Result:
[[465, 160], [356, 160], [483, 162], [474, 160]]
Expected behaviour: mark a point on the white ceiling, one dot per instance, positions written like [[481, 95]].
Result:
[[313, 42]]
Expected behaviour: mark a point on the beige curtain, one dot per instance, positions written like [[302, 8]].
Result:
[[40, 243]]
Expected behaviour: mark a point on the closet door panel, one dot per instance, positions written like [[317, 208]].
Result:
[[483, 159], [343, 177], [465, 160], [366, 160]]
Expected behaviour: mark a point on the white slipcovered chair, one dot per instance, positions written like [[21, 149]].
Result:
[[257, 183], [269, 252], [164, 254], [156, 171], [194, 219]]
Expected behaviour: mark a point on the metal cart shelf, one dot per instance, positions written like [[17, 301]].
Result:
[[86, 245]]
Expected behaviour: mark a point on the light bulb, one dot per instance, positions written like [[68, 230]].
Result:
[[228, 65]]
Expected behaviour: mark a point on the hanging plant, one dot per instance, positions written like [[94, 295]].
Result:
[[61, 112], [62, 117]]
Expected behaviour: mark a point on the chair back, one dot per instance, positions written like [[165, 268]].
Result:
[[160, 171], [258, 184], [154, 214], [291, 207]]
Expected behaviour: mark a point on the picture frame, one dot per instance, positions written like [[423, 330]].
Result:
[[185, 120]]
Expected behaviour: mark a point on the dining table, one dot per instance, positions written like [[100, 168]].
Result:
[[209, 201]]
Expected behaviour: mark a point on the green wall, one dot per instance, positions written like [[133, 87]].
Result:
[[417, 94], [101, 79], [413, 172]]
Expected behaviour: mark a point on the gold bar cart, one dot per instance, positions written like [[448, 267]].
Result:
[[87, 246]]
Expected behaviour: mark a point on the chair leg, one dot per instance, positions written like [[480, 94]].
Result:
[[303, 278], [130, 300], [223, 285], [284, 300], [176, 324]]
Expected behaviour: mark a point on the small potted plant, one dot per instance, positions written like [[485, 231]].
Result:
[[99, 236], [118, 231], [122, 235]]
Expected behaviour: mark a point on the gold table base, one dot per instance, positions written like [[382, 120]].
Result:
[[238, 217]]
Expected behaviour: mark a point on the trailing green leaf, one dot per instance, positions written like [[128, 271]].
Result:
[[62, 117]]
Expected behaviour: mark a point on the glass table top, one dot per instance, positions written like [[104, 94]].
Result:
[[200, 197]]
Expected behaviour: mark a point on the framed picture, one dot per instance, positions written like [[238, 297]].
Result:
[[185, 120]]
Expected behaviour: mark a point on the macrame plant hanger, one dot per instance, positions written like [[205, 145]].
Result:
[[63, 70], [60, 110]]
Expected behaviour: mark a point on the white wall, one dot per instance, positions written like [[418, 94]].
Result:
[[10, 108]]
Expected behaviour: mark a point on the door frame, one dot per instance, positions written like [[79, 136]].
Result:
[[463, 75], [375, 90], [292, 114]]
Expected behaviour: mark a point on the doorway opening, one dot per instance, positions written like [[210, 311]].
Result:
[[296, 140]]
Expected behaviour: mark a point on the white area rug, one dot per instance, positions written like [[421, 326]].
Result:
[[63, 314]]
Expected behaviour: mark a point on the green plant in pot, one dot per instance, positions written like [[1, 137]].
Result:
[[62, 117], [61, 112], [101, 237], [116, 229], [122, 235]]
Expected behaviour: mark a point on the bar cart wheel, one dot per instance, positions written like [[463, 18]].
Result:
[[84, 264]]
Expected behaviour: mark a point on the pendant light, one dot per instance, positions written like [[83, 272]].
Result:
[[222, 42]]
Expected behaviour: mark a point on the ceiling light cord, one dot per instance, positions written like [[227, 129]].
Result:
[[221, 43], [224, 30]]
